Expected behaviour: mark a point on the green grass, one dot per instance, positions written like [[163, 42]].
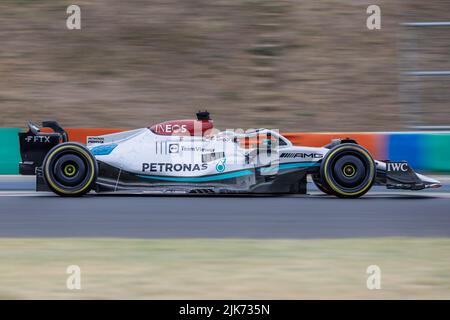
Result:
[[224, 269]]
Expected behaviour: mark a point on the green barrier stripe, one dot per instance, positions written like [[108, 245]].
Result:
[[435, 152], [9, 151]]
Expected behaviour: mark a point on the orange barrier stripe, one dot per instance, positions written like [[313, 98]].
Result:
[[80, 134]]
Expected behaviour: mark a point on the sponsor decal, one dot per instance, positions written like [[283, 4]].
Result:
[[220, 166], [197, 149], [223, 139], [212, 156], [95, 140], [397, 166], [173, 167], [301, 155], [41, 139], [171, 128], [174, 148], [165, 147]]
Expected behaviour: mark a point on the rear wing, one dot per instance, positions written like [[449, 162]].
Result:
[[34, 145]]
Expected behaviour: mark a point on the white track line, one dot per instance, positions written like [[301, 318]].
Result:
[[24, 194]]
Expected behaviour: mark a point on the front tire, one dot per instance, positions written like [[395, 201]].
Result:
[[348, 171], [70, 170], [319, 184]]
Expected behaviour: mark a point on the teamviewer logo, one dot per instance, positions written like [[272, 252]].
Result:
[[174, 148]]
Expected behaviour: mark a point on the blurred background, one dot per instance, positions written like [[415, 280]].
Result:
[[293, 65], [287, 64]]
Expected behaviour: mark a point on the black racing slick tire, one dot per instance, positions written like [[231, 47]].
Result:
[[70, 170], [319, 184], [348, 171]]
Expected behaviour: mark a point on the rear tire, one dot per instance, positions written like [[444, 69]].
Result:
[[348, 171], [70, 170]]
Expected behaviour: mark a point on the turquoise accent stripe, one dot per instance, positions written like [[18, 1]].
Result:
[[298, 165], [292, 165], [103, 150], [223, 176]]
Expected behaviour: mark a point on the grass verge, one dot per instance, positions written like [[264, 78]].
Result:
[[225, 269]]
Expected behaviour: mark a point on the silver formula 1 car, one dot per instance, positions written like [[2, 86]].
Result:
[[190, 156]]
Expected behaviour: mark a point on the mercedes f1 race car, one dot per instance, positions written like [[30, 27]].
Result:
[[191, 156]]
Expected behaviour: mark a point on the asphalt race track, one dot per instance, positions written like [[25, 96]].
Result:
[[380, 213]]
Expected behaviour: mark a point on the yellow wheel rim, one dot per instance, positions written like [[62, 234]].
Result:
[[349, 170], [70, 170]]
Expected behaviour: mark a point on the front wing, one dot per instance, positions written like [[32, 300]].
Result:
[[400, 175]]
